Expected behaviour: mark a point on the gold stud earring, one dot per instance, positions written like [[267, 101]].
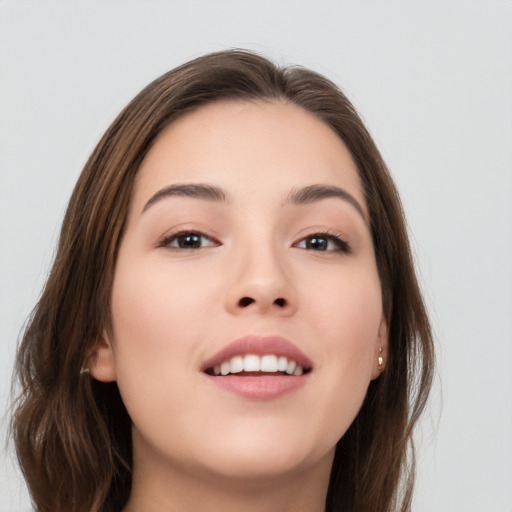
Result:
[[380, 360], [84, 370]]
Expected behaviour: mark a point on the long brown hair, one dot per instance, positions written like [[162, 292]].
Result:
[[73, 434]]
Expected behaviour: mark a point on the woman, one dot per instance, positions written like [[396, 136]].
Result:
[[232, 321]]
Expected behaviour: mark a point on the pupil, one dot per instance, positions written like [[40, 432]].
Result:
[[189, 241], [317, 243]]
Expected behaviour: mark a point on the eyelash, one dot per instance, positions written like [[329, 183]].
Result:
[[341, 246], [168, 240]]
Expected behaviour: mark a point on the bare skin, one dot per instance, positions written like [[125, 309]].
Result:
[[298, 492], [247, 220]]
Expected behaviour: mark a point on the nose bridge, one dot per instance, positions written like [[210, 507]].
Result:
[[261, 266], [261, 279]]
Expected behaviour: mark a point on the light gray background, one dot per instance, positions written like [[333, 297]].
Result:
[[433, 81]]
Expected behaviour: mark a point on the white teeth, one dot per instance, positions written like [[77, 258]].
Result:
[[225, 368], [237, 364], [269, 364], [252, 363], [290, 367]]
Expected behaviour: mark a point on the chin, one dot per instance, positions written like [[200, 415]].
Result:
[[259, 467], [266, 456]]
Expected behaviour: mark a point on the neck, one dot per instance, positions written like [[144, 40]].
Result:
[[160, 486]]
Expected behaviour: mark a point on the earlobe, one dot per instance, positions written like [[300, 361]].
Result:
[[381, 350], [101, 362]]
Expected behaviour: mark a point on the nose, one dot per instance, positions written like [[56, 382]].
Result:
[[261, 283]]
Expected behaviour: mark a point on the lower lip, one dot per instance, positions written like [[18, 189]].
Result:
[[265, 387]]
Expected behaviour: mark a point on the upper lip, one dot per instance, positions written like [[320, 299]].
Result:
[[260, 346]]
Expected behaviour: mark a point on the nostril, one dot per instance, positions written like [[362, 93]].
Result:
[[245, 301], [280, 302]]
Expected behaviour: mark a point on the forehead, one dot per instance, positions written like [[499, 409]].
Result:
[[264, 147]]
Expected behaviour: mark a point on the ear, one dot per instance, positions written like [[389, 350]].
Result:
[[381, 349], [101, 361]]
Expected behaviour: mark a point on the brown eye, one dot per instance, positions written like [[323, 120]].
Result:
[[189, 240], [323, 242], [317, 243]]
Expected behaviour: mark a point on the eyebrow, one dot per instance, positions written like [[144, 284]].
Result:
[[313, 193], [300, 196], [194, 190]]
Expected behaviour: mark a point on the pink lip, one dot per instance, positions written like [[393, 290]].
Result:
[[262, 387], [259, 346], [265, 387]]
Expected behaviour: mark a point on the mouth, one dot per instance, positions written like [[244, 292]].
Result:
[[259, 368], [254, 365]]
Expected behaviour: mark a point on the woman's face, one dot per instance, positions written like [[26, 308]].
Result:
[[247, 235]]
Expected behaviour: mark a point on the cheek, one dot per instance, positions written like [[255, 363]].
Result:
[[158, 318], [156, 302], [357, 317], [158, 323], [346, 306], [346, 314]]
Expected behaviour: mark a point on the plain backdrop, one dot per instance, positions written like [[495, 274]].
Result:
[[433, 81]]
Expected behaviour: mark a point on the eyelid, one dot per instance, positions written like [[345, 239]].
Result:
[[167, 239], [342, 244]]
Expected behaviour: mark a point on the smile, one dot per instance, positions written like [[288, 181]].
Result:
[[252, 363], [259, 368]]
